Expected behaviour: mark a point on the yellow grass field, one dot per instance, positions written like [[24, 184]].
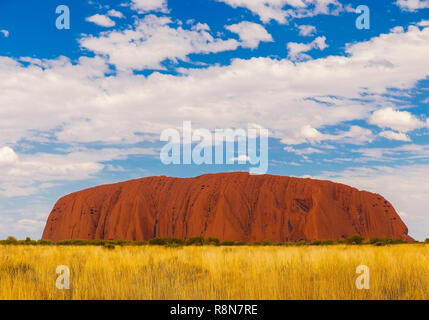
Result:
[[209, 272]]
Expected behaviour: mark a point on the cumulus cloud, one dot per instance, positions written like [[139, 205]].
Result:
[[307, 134], [412, 5], [115, 13], [101, 20], [392, 135], [7, 156], [77, 102], [402, 121], [284, 10], [251, 34], [241, 159], [27, 174], [143, 6], [423, 23], [306, 30], [303, 151], [153, 41], [296, 50]]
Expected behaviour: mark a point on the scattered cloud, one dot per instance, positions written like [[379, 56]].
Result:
[[242, 158], [307, 134], [423, 23], [5, 33], [392, 135], [144, 6], [304, 151], [152, 41], [402, 121], [307, 30], [7, 156], [119, 108], [296, 50], [412, 5], [101, 20], [26, 174], [251, 34], [115, 13], [284, 10]]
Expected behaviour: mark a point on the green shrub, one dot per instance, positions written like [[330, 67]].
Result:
[[227, 243], [165, 241], [11, 240], [45, 242], [385, 241], [195, 241], [374, 240], [356, 239], [212, 241], [301, 243], [327, 242], [427, 240]]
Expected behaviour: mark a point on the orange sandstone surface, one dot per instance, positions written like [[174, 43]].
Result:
[[230, 206]]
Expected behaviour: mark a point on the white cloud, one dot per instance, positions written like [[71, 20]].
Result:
[[304, 151], [391, 135], [306, 30], [407, 152], [5, 33], [30, 225], [284, 10], [251, 34], [115, 13], [355, 135], [402, 121], [152, 41], [101, 20], [296, 50], [423, 23], [7, 156], [242, 158], [28, 174], [307, 134], [143, 6], [412, 5], [78, 103]]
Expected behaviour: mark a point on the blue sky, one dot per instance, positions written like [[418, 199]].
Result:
[[86, 106]]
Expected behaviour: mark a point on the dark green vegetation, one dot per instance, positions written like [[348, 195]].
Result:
[[201, 241]]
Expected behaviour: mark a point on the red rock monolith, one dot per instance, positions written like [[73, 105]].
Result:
[[230, 206]]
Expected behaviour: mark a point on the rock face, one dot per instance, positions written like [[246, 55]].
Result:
[[229, 206]]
